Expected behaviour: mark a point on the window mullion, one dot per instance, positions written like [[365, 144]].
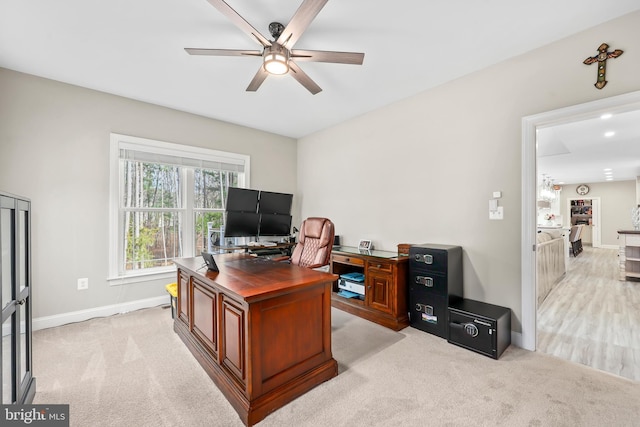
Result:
[[188, 217]]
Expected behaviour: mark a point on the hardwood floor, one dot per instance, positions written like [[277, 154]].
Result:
[[591, 317]]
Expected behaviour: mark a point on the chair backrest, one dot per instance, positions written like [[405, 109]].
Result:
[[576, 233], [573, 233], [314, 243]]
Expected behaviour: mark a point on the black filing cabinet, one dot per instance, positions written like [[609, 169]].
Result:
[[480, 327], [435, 281]]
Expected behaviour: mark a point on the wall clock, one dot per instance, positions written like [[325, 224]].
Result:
[[582, 189]]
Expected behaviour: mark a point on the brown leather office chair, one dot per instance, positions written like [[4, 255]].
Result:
[[314, 243]]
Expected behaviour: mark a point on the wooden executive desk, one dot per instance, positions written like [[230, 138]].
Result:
[[260, 329]]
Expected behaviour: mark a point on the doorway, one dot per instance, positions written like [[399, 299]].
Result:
[[586, 211], [530, 125]]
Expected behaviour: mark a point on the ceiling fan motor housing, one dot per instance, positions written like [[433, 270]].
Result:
[[276, 28]]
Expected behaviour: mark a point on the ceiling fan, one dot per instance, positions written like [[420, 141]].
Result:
[[278, 54]]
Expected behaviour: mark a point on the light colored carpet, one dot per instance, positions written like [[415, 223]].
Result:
[[133, 370]]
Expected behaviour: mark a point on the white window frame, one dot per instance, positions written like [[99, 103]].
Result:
[[118, 141]]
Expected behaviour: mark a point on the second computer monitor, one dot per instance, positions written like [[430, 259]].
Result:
[[275, 203], [275, 225], [242, 224], [242, 200]]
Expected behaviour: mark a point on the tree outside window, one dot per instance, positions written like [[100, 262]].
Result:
[[154, 208]]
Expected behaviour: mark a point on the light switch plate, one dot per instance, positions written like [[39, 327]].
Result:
[[497, 214]]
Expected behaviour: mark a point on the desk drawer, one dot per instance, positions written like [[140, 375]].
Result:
[[382, 267], [342, 259]]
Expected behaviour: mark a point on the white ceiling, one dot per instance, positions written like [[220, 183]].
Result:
[[580, 152], [135, 49]]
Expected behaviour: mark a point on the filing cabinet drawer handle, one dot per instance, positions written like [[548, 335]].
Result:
[[427, 309], [426, 258], [424, 280]]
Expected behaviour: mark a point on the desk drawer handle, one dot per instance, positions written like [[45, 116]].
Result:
[[424, 280], [347, 259], [379, 266]]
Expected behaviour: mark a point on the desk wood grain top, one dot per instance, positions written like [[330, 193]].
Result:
[[253, 278]]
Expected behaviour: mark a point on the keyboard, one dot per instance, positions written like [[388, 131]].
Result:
[[263, 252]]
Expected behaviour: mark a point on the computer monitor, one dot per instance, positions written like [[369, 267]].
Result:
[[275, 225], [242, 224], [242, 200], [275, 203]]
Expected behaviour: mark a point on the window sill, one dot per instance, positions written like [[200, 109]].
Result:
[[147, 276]]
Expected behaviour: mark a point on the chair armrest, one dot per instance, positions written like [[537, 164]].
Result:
[[317, 266]]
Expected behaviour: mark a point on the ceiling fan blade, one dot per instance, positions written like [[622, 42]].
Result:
[[260, 76], [222, 52], [239, 21], [303, 78], [327, 56], [300, 21]]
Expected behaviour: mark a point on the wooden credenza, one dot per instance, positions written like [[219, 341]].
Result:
[[260, 329], [385, 285]]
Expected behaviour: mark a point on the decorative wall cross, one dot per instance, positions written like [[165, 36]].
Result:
[[601, 59]]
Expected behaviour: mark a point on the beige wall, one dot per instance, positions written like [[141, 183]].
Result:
[[54, 149], [418, 171], [616, 201], [422, 170]]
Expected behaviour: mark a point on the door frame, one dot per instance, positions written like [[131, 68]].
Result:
[[615, 104]]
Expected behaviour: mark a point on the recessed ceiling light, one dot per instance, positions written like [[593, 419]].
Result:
[[606, 169], [609, 134], [609, 178], [561, 183], [606, 116]]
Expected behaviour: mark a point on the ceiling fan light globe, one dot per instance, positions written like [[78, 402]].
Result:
[[276, 59], [275, 63]]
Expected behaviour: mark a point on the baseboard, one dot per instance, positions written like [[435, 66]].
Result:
[[104, 311], [609, 246]]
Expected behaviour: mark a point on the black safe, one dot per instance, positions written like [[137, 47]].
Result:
[[435, 281], [480, 327]]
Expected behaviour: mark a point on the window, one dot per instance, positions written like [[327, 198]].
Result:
[[167, 201]]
